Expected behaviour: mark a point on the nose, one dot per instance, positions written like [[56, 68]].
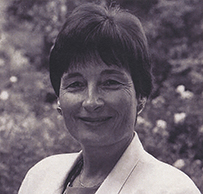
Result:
[[93, 101]]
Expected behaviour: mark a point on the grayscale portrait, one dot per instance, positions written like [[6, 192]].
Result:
[[101, 97]]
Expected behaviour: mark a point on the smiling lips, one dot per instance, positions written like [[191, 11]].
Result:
[[95, 120]]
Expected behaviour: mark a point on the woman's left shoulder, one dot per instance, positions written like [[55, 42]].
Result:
[[172, 178], [159, 177], [176, 180]]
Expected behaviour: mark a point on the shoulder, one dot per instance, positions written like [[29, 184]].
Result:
[[158, 177], [173, 180], [55, 164], [56, 161], [49, 172]]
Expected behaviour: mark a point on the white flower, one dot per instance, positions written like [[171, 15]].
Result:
[[13, 79], [187, 95], [140, 120], [4, 95], [180, 163], [179, 117], [18, 60], [180, 89], [160, 128], [157, 102], [161, 124], [184, 94], [63, 9]]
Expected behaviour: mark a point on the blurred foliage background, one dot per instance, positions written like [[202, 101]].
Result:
[[171, 127]]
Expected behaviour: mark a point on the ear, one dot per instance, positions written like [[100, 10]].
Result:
[[141, 104]]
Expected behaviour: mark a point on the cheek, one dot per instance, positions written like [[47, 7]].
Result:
[[70, 103], [124, 103]]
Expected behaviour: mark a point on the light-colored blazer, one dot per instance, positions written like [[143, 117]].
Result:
[[136, 172]]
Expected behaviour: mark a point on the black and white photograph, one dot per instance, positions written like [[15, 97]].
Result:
[[101, 97]]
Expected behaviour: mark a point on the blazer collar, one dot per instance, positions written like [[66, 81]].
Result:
[[117, 178]]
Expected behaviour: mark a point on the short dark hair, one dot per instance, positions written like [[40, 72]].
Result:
[[113, 34]]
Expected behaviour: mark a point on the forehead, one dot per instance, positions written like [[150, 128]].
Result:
[[96, 67]]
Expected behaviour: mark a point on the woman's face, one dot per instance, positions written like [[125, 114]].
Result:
[[98, 103]]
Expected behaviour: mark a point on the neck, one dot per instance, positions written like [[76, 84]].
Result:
[[99, 161]]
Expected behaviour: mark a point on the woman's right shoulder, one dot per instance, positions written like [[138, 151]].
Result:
[[50, 172], [55, 161]]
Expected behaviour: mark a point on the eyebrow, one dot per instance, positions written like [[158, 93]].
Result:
[[111, 71], [105, 72], [72, 75]]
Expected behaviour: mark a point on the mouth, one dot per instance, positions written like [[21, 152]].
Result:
[[95, 120]]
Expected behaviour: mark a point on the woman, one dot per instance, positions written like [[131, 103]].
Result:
[[100, 71]]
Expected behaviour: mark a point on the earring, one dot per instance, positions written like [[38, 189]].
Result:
[[59, 108], [141, 105]]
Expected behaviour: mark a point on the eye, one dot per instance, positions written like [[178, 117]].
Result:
[[111, 84], [75, 86]]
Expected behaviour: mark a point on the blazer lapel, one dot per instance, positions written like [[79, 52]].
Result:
[[117, 178], [55, 184]]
